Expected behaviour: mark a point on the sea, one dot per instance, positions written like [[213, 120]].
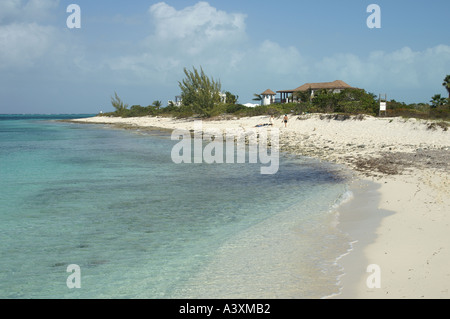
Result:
[[97, 212]]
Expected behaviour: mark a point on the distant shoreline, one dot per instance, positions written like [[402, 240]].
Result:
[[398, 216], [371, 146]]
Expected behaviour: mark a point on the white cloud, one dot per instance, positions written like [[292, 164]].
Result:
[[201, 35], [200, 23], [144, 67], [196, 30], [21, 45], [16, 11], [277, 59], [196, 35], [24, 39], [9, 10], [400, 69]]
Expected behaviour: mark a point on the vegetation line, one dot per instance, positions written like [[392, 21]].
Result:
[[201, 96]]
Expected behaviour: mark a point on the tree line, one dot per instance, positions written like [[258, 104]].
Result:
[[201, 96]]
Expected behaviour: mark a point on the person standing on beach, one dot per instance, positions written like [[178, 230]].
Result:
[[285, 120], [271, 120]]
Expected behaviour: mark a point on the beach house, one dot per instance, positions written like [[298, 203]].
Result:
[[287, 96], [268, 97]]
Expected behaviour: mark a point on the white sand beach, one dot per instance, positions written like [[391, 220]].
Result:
[[399, 217]]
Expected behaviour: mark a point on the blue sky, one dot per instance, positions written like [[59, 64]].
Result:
[[139, 49]]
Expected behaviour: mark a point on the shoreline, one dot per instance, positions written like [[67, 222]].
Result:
[[404, 229], [359, 218], [397, 217]]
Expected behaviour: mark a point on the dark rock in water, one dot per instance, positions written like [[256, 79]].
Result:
[[95, 263]]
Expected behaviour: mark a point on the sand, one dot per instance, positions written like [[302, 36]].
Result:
[[399, 217], [407, 224]]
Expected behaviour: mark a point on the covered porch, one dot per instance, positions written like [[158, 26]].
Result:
[[286, 96]]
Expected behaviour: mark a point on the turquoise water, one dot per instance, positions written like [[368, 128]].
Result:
[[139, 226]]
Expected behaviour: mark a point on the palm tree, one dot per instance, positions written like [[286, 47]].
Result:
[[171, 104], [258, 97], [446, 84], [437, 100], [231, 98], [157, 104]]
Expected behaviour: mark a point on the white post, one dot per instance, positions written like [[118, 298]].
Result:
[[383, 104]]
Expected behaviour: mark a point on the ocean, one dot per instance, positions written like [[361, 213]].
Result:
[[137, 225]]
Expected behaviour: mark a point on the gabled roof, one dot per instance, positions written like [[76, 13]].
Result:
[[268, 92], [338, 84]]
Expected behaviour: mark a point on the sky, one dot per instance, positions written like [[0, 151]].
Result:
[[140, 48]]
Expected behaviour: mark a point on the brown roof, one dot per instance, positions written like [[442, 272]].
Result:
[[268, 92], [338, 84], [286, 91]]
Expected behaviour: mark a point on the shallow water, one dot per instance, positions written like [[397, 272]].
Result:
[[139, 226]]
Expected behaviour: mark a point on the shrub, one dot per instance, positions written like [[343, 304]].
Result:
[[118, 104], [235, 108], [184, 111], [199, 91]]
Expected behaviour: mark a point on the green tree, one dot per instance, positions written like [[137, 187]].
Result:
[[357, 101], [171, 105], [326, 100], [231, 98], [199, 92], [157, 104], [303, 96], [347, 101], [437, 100], [257, 97], [118, 104], [446, 84]]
